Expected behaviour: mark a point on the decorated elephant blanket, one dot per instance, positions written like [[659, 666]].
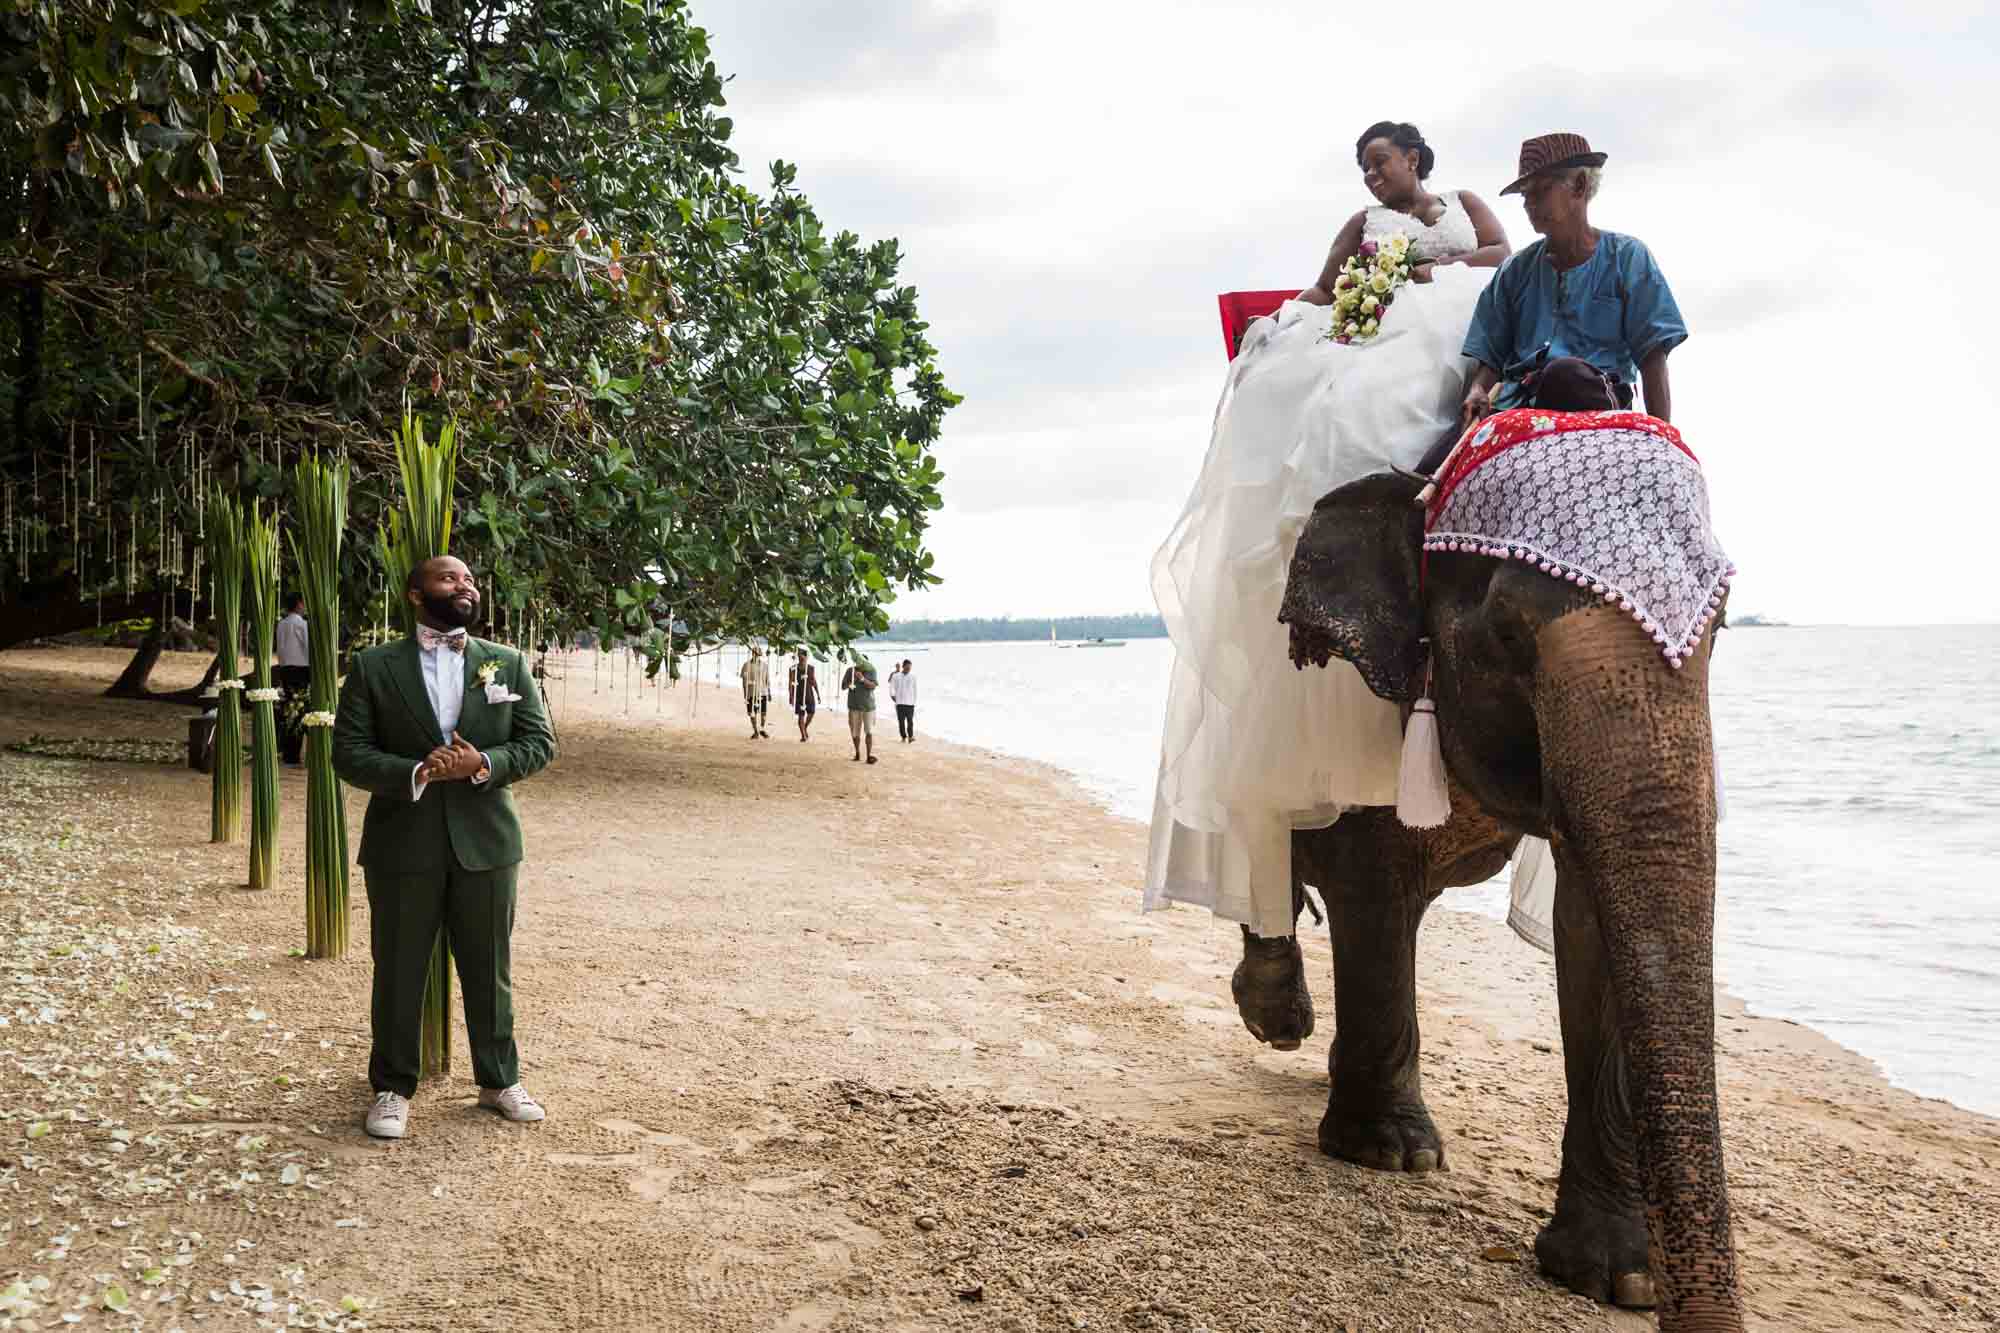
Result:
[[1611, 501]]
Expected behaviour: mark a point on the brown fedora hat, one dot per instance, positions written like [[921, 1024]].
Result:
[[1553, 152]]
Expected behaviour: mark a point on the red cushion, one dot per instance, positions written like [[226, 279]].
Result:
[[1239, 308]]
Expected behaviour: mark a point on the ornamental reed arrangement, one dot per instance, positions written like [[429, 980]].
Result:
[[319, 506], [223, 541], [420, 532], [1367, 286], [260, 578]]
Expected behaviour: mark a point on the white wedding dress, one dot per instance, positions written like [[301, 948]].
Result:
[[1252, 747]]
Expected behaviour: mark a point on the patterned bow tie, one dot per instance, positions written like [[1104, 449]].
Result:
[[428, 638]]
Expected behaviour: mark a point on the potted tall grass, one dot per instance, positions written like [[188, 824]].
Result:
[[224, 544], [260, 580], [422, 531], [319, 502]]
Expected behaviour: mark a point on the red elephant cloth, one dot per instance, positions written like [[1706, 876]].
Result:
[[1611, 501]]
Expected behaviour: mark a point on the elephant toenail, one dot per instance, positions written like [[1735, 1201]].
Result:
[[1633, 1291], [1290, 1044], [1423, 1159]]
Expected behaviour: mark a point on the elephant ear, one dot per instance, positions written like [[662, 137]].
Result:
[[1354, 592]]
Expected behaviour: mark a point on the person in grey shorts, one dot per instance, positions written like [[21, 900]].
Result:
[[859, 682]]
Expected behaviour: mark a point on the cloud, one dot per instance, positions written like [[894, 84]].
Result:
[[1074, 183], [817, 49]]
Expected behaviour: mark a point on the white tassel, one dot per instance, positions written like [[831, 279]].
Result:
[[1422, 800]]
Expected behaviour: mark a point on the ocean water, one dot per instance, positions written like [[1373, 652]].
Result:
[[1859, 878]]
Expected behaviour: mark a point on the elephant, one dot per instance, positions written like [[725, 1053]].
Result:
[[1557, 718]]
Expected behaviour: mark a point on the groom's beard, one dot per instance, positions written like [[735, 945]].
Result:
[[450, 614]]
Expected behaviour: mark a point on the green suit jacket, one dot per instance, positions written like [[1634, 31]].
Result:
[[386, 727]]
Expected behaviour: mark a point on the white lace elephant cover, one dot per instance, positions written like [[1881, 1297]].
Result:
[[1253, 748], [1611, 501]]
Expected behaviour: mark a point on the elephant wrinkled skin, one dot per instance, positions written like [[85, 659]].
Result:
[[1558, 718]]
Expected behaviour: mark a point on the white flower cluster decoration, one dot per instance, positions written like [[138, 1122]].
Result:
[[229, 684], [317, 720], [264, 696]]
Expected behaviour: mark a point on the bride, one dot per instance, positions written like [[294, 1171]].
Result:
[[1252, 747]]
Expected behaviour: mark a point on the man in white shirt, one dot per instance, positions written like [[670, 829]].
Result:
[[903, 692], [294, 675], [757, 693]]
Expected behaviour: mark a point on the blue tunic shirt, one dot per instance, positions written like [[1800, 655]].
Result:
[[1614, 310]]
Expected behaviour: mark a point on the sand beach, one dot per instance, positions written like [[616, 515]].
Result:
[[824, 1046]]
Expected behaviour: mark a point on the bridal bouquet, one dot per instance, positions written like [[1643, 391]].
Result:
[[1367, 284]]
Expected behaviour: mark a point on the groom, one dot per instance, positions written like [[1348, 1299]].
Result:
[[436, 728]]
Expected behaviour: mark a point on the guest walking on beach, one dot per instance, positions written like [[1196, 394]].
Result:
[[804, 692], [859, 682], [447, 711], [757, 693], [903, 693], [294, 675]]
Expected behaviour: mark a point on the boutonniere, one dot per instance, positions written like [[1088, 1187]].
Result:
[[496, 690]]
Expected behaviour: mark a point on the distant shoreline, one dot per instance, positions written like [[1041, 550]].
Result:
[[1008, 629]]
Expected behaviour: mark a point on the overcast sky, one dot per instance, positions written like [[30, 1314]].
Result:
[[1073, 181]]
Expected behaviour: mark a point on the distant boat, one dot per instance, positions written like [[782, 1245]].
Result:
[[1100, 643]]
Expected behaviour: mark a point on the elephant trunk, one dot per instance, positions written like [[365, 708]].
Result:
[[1629, 772]]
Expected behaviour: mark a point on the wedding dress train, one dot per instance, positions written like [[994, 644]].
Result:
[[1253, 748]]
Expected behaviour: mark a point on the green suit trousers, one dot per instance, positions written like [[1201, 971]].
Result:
[[405, 911]]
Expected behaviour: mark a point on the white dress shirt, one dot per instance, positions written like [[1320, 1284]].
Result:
[[444, 682], [903, 688], [292, 636]]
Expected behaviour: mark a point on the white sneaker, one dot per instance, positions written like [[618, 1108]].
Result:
[[514, 1103], [388, 1116]]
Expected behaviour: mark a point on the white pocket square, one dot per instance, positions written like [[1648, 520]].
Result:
[[496, 693]]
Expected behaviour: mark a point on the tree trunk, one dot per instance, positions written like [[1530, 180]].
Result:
[[131, 684]]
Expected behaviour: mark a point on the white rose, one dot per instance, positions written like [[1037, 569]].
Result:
[[1351, 329], [1369, 303], [1379, 283], [1369, 328]]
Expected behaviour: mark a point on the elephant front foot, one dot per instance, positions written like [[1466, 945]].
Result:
[[1400, 1136], [1270, 990], [1600, 1253]]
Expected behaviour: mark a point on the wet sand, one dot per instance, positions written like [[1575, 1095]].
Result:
[[824, 1046]]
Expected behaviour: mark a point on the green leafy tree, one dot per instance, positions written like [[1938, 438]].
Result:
[[237, 231]]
